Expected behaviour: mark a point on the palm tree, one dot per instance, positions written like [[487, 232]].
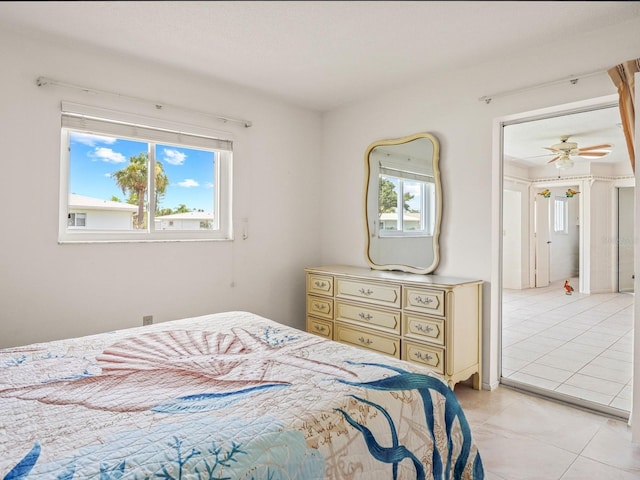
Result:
[[133, 180]]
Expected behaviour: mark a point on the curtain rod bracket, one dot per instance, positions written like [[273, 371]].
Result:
[[42, 81]]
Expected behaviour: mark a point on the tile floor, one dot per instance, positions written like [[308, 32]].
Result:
[[578, 345], [523, 437]]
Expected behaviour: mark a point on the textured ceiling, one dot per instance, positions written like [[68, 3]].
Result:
[[315, 54], [524, 143], [321, 55]]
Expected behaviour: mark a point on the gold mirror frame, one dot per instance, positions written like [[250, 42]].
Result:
[[407, 252]]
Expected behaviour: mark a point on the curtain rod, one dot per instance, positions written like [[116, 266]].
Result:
[[42, 81], [573, 79]]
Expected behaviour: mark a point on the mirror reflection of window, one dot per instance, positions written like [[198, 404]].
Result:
[[409, 193]]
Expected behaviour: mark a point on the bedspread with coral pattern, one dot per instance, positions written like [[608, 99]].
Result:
[[225, 396]]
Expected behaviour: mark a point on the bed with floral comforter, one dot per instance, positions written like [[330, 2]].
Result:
[[225, 396]]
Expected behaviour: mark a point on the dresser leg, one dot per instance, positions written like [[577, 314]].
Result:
[[477, 381]]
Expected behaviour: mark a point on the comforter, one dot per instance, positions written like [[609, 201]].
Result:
[[225, 396]]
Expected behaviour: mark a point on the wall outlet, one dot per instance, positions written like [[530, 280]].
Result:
[[147, 320]]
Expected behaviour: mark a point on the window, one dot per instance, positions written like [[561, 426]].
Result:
[[77, 220], [411, 194], [106, 158], [561, 212]]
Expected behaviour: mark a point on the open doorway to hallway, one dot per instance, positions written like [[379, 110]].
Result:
[[567, 321]]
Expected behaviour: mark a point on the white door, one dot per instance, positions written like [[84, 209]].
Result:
[[625, 239], [512, 240], [542, 241]]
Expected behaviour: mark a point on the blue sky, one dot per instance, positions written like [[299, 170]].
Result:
[[93, 158]]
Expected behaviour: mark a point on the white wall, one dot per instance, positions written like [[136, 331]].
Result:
[[447, 105], [50, 291]]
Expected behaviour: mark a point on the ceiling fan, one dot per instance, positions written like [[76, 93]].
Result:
[[564, 150]]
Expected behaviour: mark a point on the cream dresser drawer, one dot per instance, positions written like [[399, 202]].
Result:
[[425, 355], [362, 314], [423, 328], [319, 327], [319, 284], [423, 300], [378, 293], [367, 339], [320, 307]]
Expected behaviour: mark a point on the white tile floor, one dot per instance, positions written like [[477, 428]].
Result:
[[524, 437], [579, 345]]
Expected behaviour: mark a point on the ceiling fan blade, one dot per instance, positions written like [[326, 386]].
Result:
[[540, 156], [554, 159], [593, 154], [595, 147], [554, 150]]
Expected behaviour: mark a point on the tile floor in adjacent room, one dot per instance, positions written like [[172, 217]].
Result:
[[524, 437], [578, 344]]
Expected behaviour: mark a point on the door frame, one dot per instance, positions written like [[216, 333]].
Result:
[[584, 239], [493, 341], [493, 331]]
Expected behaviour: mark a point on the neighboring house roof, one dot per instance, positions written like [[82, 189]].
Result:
[[90, 203], [187, 216]]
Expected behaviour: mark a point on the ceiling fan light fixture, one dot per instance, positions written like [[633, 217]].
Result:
[[563, 163]]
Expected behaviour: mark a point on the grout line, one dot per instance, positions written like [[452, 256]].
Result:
[[548, 292]]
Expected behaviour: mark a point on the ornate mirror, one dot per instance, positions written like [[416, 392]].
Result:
[[403, 204]]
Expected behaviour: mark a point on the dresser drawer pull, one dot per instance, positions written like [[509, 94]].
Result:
[[320, 284], [425, 357], [321, 306], [423, 300], [365, 342], [427, 329], [366, 292], [320, 328], [365, 316]]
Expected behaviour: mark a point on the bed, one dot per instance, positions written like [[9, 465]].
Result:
[[229, 395]]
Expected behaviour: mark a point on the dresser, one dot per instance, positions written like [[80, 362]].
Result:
[[425, 319]]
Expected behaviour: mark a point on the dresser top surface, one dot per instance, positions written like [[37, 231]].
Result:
[[348, 270]]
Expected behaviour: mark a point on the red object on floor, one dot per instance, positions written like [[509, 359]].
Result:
[[568, 287]]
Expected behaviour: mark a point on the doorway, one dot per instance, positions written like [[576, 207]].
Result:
[[567, 321]]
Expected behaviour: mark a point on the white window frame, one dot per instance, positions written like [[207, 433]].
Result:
[[427, 207], [96, 120], [560, 215]]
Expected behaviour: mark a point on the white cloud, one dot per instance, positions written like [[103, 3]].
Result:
[[174, 157], [208, 185], [91, 139], [188, 183], [108, 155]]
